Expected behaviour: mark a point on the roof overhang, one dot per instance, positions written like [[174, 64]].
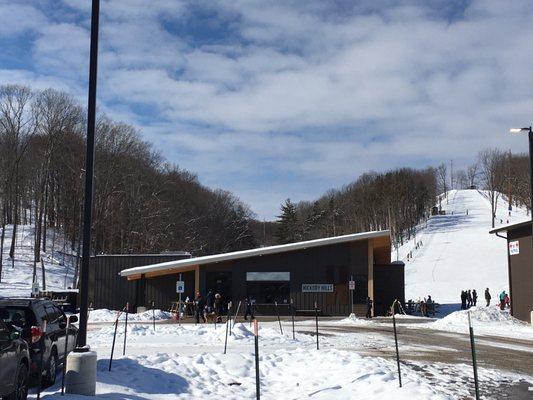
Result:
[[510, 227], [190, 263]]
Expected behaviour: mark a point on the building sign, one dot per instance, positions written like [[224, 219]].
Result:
[[180, 286], [514, 248], [268, 276], [351, 285], [317, 287]]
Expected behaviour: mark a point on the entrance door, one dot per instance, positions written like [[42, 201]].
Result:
[[219, 282]]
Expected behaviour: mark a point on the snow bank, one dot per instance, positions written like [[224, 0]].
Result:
[[194, 335], [354, 320], [105, 315], [486, 321], [285, 374]]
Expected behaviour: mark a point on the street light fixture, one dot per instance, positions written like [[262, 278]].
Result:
[[530, 133]]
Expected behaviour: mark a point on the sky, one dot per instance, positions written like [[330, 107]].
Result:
[[287, 99]]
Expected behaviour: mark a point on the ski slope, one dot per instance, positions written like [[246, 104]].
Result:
[[457, 251]]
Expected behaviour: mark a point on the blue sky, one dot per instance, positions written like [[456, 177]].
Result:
[[277, 99]]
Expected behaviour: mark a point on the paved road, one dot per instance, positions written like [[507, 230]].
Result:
[[436, 353]]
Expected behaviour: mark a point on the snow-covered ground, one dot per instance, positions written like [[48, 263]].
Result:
[[187, 362], [457, 251], [17, 274]]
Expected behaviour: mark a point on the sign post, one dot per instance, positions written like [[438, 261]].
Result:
[[351, 286], [180, 288], [256, 345]]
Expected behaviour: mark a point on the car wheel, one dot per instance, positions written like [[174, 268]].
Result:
[[21, 388], [51, 370]]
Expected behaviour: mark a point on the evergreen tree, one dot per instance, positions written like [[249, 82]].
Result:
[[288, 226]]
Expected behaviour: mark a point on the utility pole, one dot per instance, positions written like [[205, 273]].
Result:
[[89, 173]]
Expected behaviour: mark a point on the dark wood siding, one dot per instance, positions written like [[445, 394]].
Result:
[[521, 274], [107, 289], [388, 285], [325, 264]]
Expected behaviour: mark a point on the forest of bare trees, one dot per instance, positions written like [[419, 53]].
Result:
[[141, 203], [397, 200], [144, 204]]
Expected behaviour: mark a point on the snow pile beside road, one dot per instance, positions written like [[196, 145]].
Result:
[[105, 315], [486, 321], [354, 320], [194, 335], [285, 374]]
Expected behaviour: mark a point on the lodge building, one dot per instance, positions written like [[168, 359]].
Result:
[[304, 272]]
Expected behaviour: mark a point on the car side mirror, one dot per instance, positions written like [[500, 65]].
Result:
[[14, 335], [73, 318]]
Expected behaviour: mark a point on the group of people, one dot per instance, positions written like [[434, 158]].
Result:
[[426, 306], [211, 304], [469, 299]]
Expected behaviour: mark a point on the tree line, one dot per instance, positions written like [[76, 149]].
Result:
[[397, 200], [142, 204], [401, 199]]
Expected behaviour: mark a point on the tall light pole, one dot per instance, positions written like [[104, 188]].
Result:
[[89, 173], [530, 133]]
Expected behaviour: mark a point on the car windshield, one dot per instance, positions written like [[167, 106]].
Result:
[[17, 317]]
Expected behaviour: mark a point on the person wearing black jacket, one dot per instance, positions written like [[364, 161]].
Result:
[[487, 296], [369, 303], [199, 305], [474, 297], [249, 308], [463, 300]]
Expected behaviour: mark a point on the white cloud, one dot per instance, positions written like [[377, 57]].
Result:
[[303, 97]]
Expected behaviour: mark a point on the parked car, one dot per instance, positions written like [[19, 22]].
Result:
[[42, 324], [14, 363]]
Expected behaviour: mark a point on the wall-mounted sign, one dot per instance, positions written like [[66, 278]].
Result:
[[268, 276], [514, 248], [351, 285], [180, 286], [317, 287]]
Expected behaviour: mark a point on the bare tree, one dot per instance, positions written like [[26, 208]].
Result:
[[492, 166], [472, 173]]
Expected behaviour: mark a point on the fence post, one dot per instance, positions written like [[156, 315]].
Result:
[[113, 345], [316, 320], [228, 323], [126, 329], [236, 313], [474, 362], [65, 358], [257, 381], [279, 320], [292, 308], [41, 360], [396, 342], [153, 313]]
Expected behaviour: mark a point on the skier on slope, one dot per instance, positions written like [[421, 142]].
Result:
[[487, 296], [474, 297]]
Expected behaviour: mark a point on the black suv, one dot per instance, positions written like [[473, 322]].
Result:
[[14, 364], [43, 325]]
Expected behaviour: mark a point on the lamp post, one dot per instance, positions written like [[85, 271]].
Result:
[[530, 133], [89, 173]]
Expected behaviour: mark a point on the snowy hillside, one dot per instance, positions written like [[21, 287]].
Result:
[[457, 251], [17, 276]]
